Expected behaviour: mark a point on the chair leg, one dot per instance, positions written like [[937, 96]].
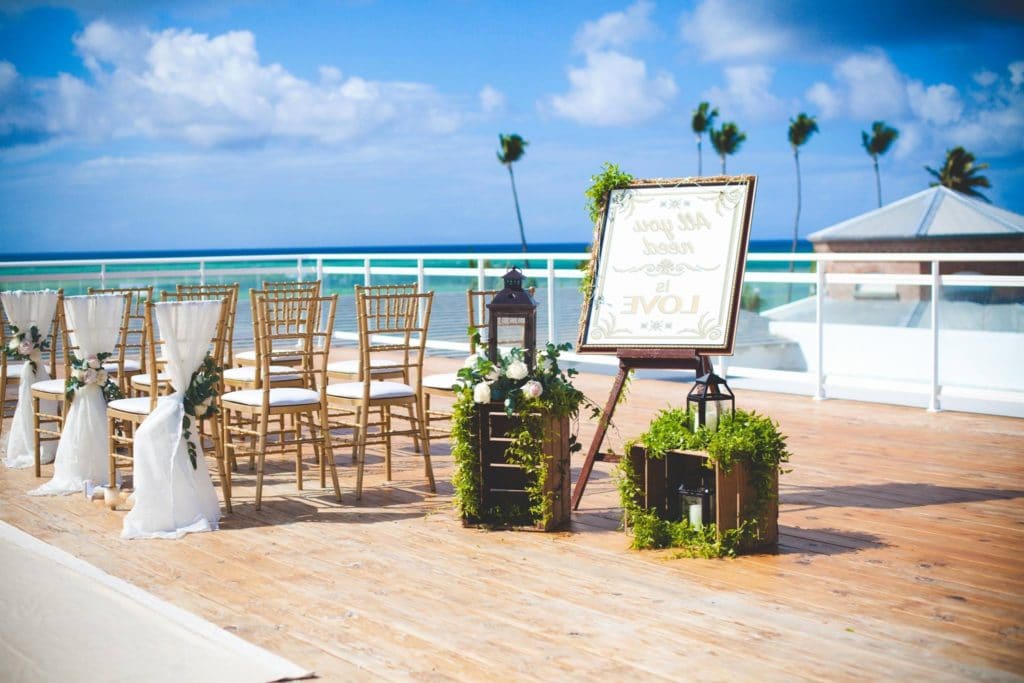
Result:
[[326, 453], [260, 456], [425, 438], [111, 449], [385, 418], [218, 452], [36, 448], [297, 427], [364, 415]]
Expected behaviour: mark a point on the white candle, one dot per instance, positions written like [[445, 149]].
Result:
[[111, 496], [696, 517]]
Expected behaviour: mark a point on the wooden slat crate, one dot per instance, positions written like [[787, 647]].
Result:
[[504, 484], [660, 480]]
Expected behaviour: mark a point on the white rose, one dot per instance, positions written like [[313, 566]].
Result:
[[547, 365], [94, 363], [101, 376], [517, 370], [79, 374], [482, 393], [532, 389], [470, 361], [90, 376], [25, 347], [493, 374]]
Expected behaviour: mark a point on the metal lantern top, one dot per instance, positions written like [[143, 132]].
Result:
[[710, 387], [513, 298]]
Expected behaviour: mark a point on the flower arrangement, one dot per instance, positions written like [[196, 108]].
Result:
[[89, 371], [529, 396], [199, 402], [27, 346]]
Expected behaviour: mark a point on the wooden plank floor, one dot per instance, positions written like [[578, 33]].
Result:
[[900, 558]]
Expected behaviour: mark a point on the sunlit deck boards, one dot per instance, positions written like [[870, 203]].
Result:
[[900, 558]]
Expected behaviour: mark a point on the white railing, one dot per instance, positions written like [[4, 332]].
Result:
[[479, 267]]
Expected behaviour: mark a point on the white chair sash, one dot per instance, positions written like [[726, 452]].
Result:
[[171, 498], [25, 309], [95, 323]]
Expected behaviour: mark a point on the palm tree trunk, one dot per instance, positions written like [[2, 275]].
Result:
[[700, 158], [519, 216], [878, 181], [796, 221], [723, 164]]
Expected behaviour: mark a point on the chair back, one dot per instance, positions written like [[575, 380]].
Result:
[[132, 344], [53, 335], [217, 341], [227, 293], [286, 327], [479, 319], [293, 288], [149, 341], [396, 324], [69, 336]]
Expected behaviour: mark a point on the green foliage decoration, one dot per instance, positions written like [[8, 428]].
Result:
[[88, 371], [27, 346], [741, 437], [199, 402], [610, 178]]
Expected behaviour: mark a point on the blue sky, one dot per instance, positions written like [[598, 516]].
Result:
[[172, 125]]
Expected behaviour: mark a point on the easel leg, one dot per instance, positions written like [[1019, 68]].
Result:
[[602, 429]]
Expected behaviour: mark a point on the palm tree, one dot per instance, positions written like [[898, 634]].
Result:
[[800, 131], [877, 144], [960, 173], [512, 150], [727, 140], [702, 121]]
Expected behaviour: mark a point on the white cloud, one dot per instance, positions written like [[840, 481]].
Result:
[[734, 29], [747, 90], [616, 29], [613, 89], [939, 104], [826, 99], [211, 91], [1016, 73], [491, 100], [985, 78], [873, 86]]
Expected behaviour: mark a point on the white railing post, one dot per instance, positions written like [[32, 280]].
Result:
[[320, 269], [420, 282], [551, 302], [103, 276], [819, 326], [298, 269], [366, 272], [481, 275], [202, 272], [933, 400]]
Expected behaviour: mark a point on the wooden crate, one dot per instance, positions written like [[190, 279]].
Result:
[[504, 484], [660, 480]]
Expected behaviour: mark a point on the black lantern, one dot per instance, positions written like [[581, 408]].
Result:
[[711, 395], [697, 505], [513, 307]]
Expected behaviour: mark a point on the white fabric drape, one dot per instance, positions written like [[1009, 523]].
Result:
[[171, 498], [95, 323], [25, 309]]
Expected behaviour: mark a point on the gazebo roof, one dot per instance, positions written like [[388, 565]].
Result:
[[935, 212]]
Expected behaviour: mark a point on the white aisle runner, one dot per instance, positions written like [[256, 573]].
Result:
[[65, 620]]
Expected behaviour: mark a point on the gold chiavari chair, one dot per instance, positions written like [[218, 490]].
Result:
[[405, 318], [285, 290], [130, 357], [285, 326], [10, 371], [209, 292]]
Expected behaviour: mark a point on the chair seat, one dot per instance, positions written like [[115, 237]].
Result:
[[50, 386], [284, 396], [14, 371], [378, 390], [351, 367], [143, 379], [250, 356], [136, 406], [130, 365], [278, 373], [446, 381]]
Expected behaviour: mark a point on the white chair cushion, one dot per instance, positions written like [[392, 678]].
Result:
[[136, 406], [130, 365], [279, 373], [442, 381], [14, 371], [351, 367], [50, 386], [377, 390], [143, 379], [286, 396]]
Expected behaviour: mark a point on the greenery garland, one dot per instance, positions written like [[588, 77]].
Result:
[[741, 437], [199, 402], [530, 397], [27, 346], [88, 371], [610, 178]]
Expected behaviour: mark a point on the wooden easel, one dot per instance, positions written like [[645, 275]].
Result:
[[635, 359]]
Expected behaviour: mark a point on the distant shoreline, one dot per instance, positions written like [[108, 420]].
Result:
[[770, 246]]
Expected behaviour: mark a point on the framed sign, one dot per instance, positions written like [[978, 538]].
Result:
[[667, 266]]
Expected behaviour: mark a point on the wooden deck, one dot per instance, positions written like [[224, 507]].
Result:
[[900, 558]]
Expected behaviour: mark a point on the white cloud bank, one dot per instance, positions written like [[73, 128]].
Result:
[[213, 91], [613, 88]]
